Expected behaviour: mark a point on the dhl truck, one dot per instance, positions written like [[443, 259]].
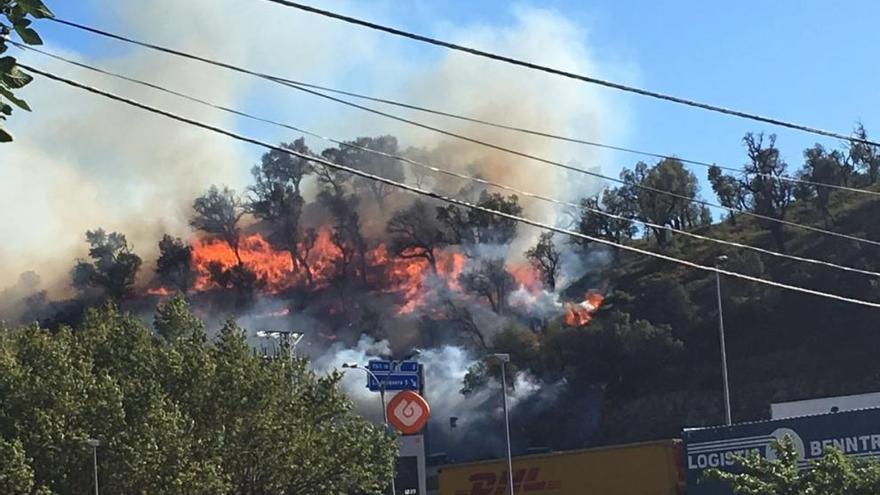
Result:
[[651, 468]]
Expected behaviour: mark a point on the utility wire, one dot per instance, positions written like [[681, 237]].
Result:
[[440, 197], [585, 142], [288, 83], [447, 172], [533, 132], [571, 75]]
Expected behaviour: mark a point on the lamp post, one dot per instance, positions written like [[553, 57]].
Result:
[[355, 366], [288, 338], [93, 443], [718, 262], [505, 358]]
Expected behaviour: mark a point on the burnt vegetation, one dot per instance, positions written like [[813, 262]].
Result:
[[351, 256]]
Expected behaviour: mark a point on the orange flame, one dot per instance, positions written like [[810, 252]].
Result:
[[159, 291], [580, 314], [409, 276]]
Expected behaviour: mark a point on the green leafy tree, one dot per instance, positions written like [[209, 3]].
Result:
[[768, 196], [864, 156], [833, 474], [618, 229], [728, 190], [113, 267], [823, 167], [661, 209], [175, 415], [15, 16]]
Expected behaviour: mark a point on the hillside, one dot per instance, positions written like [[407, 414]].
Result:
[[781, 345]]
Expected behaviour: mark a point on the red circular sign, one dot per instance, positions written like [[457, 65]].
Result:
[[408, 412]]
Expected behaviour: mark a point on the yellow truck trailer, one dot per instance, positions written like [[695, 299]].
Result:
[[651, 468]]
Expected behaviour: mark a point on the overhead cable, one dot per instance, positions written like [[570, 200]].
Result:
[[440, 197], [572, 75], [298, 84], [290, 84], [451, 173]]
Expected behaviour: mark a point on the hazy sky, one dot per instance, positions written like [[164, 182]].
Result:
[[96, 164]]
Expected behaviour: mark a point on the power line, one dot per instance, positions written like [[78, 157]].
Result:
[[585, 142], [440, 197], [571, 75], [298, 84], [289, 83], [446, 171]]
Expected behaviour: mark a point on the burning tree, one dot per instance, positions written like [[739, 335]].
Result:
[[416, 233], [174, 266], [113, 267], [347, 235], [276, 199], [545, 257], [218, 212]]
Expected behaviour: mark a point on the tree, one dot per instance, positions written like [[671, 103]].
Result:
[[218, 212], [678, 211], [617, 227], [865, 156], [16, 13], [174, 266], [113, 267], [545, 257], [727, 188], [16, 474], [276, 198], [823, 167], [176, 416], [347, 234], [416, 233], [833, 474], [355, 154], [491, 280], [768, 195], [470, 227]]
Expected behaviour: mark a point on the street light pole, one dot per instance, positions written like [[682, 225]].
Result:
[[355, 366], [505, 358], [727, 417], [94, 444]]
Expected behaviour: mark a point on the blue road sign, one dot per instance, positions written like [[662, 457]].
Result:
[[394, 381], [381, 366]]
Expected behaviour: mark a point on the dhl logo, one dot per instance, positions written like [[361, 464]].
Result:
[[524, 481]]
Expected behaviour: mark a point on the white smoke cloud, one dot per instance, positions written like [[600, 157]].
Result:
[[80, 162]]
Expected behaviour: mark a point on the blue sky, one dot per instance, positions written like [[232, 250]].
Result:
[[807, 61]]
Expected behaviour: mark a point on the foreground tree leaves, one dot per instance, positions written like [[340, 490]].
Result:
[[833, 474], [175, 415]]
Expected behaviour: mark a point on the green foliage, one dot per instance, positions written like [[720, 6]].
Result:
[[16, 474], [17, 15], [113, 267], [177, 415], [833, 474]]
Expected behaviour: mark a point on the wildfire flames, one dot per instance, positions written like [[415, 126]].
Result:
[[275, 267], [412, 278], [580, 314]]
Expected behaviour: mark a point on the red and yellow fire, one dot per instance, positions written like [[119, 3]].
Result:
[[580, 314]]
